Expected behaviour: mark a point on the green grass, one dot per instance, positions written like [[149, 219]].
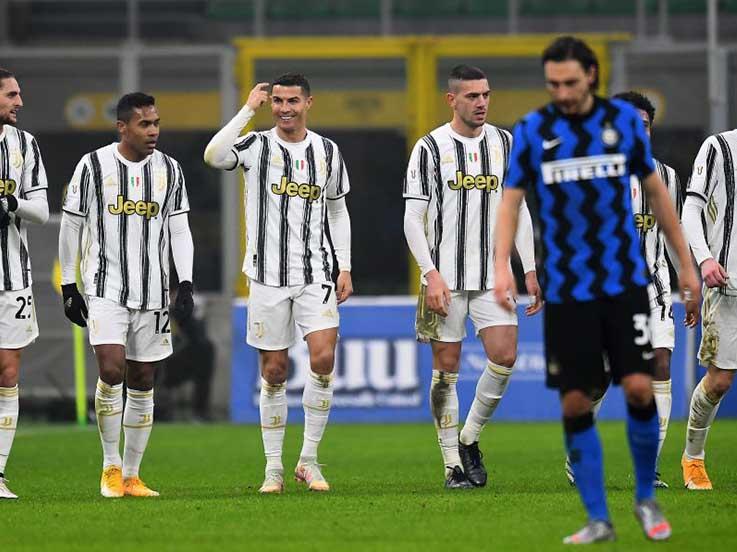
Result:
[[387, 493]]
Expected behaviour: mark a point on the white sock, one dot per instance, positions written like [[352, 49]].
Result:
[[109, 411], [272, 406], [138, 420], [316, 400], [596, 405], [489, 391], [663, 401], [8, 422], [700, 417], [444, 408]]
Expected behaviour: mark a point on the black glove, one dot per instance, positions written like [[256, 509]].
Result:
[[8, 204], [184, 304], [75, 309]]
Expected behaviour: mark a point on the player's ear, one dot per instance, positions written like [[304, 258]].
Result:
[[308, 102], [121, 127], [450, 98], [591, 76]]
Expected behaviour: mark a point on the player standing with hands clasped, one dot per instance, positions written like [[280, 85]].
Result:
[[295, 180]]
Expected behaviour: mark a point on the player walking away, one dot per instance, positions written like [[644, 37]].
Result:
[[662, 330], [129, 202], [577, 155], [455, 179], [711, 198], [295, 178], [22, 200]]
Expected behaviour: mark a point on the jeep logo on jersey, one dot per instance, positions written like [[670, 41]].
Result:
[[310, 192], [488, 182], [148, 209], [584, 168], [7, 187], [644, 222]]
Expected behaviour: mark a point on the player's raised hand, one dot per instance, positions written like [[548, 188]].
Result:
[[258, 96], [690, 293], [505, 290], [438, 294], [713, 273], [75, 309], [344, 286], [533, 291]]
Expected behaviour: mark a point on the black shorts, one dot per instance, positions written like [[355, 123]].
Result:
[[587, 344]]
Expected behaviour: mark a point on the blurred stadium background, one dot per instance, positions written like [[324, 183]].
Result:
[[377, 68]]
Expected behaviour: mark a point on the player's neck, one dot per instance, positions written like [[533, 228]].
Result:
[[294, 136], [129, 154], [459, 127]]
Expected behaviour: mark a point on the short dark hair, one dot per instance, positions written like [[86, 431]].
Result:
[[640, 101], [5, 74], [293, 79], [566, 48], [465, 73], [130, 102]]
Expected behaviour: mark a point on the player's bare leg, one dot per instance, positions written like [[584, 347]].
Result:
[[109, 412], [663, 400], [704, 406], [273, 411], [500, 344], [138, 420], [9, 368], [316, 400]]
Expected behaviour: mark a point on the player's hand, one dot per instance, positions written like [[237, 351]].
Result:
[[534, 293], [184, 303], [75, 309], [690, 293], [258, 96], [505, 290], [437, 297], [713, 273], [7, 205], [344, 286]]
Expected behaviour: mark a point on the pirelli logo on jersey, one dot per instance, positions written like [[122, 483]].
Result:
[[584, 168], [486, 182], [644, 222], [310, 192], [7, 187], [122, 206]]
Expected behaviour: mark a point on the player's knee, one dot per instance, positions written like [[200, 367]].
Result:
[[662, 364], [721, 383], [274, 371], [505, 358], [447, 360], [141, 380], [112, 368], [638, 391], [575, 404], [321, 362], [9, 375]]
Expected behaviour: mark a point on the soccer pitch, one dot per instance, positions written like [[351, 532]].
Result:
[[387, 493]]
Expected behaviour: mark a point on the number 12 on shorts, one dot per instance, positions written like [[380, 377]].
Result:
[[162, 322]]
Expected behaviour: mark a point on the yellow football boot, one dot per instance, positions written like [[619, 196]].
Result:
[[111, 482], [135, 487], [695, 477]]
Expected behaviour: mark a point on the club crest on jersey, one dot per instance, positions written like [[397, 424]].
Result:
[[487, 182], [16, 159], [160, 180], [609, 136], [277, 161], [7, 187], [310, 192], [148, 209], [644, 222]]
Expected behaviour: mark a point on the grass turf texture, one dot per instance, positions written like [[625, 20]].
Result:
[[387, 493]]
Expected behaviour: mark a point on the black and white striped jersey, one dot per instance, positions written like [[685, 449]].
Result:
[[652, 240], [21, 174], [713, 180], [125, 237], [462, 178], [287, 185]]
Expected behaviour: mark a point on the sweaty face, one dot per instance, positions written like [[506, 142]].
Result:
[[10, 101], [142, 131], [645, 120], [289, 107], [569, 85], [470, 101]]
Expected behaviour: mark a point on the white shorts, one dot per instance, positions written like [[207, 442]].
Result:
[[662, 328], [18, 324], [480, 306], [718, 330], [273, 312], [145, 334]]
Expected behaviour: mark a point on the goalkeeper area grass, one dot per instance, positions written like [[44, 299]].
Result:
[[387, 492]]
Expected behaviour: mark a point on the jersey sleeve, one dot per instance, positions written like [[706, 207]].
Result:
[[641, 162], [180, 199], [520, 173], [338, 184], [675, 190], [704, 174], [78, 195], [245, 150], [34, 173], [420, 169]]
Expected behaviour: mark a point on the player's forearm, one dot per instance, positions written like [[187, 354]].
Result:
[[506, 226], [414, 232], [665, 214], [694, 230], [340, 230], [524, 240], [219, 152], [71, 226], [35, 208], [182, 246]]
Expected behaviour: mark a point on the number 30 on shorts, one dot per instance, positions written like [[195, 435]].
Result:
[[641, 323]]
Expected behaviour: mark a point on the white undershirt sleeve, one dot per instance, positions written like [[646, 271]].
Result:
[[182, 247], [524, 240], [71, 226], [414, 231], [34, 208], [340, 231], [692, 227], [219, 152]]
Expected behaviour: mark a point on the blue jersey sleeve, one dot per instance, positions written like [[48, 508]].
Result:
[[642, 163], [520, 173]]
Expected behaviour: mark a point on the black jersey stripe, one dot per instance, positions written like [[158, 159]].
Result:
[[341, 170], [84, 185], [263, 212], [164, 233], [123, 234], [284, 222], [485, 223], [146, 237], [25, 269], [329, 152], [711, 156], [100, 199], [655, 270], [36, 163], [424, 176], [460, 282], [5, 175], [435, 152], [245, 143], [307, 218], [729, 182]]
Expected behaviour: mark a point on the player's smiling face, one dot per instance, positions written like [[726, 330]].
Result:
[[289, 106], [469, 100], [570, 85], [10, 101], [141, 133]]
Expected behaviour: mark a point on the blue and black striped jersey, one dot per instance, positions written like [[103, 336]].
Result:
[[579, 168]]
